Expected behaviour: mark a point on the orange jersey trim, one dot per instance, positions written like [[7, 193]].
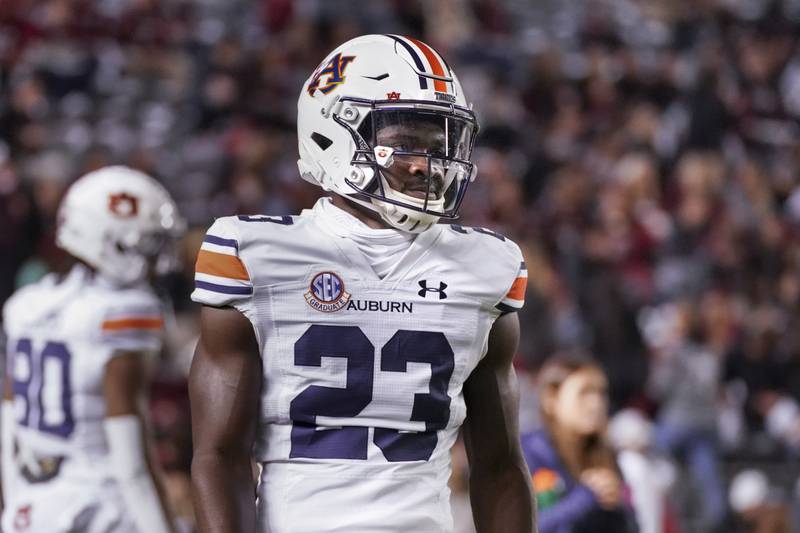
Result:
[[133, 323], [439, 85], [517, 291], [222, 265]]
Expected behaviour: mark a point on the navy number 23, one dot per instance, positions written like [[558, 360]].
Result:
[[349, 342]]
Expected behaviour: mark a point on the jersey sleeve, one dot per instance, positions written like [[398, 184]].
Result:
[[133, 321], [221, 278], [514, 299]]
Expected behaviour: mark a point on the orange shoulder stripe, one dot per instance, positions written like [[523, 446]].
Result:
[[223, 265], [133, 323], [517, 291]]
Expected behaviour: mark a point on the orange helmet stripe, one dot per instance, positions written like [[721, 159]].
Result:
[[436, 65]]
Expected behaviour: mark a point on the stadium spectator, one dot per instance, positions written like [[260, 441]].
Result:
[[578, 484], [650, 476], [758, 507], [686, 380]]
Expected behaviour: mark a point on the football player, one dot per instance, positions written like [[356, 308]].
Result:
[[74, 448], [343, 348]]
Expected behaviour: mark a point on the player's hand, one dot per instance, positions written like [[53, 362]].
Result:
[[606, 486]]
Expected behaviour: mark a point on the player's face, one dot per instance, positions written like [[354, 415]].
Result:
[[581, 403], [415, 175]]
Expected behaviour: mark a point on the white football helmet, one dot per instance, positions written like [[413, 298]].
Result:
[[118, 220], [382, 102]]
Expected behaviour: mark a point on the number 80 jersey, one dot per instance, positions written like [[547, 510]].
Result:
[[61, 333], [362, 376]]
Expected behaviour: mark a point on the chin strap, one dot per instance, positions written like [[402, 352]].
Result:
[[404, 218], [410, 225], [397, 216]]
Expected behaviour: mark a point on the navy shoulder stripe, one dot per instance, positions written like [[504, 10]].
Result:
[[224, 289]]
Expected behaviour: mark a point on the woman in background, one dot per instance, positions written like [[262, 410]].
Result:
[[577, 483]]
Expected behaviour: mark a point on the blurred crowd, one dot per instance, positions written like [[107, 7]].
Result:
[[644, 154]]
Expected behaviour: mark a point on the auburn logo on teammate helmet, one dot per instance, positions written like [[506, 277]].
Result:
[[123, 205], [334, 70]]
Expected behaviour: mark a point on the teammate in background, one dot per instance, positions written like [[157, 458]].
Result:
[[74, 448], [343, 348]]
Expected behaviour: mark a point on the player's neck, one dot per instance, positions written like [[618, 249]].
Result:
[[368, 217]]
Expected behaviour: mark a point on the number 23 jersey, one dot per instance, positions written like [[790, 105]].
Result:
[[362, 377]]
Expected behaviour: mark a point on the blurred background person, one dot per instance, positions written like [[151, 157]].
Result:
[[649, 475], [757, 506], [75, 452], [578, 485], [686, 380]]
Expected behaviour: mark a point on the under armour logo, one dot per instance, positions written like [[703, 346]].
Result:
[[425, 289]]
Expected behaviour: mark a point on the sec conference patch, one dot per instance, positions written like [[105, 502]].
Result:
[[326, 293]]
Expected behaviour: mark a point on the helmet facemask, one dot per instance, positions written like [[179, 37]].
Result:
[[155, 248], [149, 253], [412, 160]]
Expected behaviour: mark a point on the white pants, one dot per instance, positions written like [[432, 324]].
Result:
[[60, 506], [344, 499]]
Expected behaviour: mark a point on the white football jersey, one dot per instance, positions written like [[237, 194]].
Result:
[[60, 335], [362, 376]]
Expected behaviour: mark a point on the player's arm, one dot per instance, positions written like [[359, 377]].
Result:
[[500, 488], [124, 388], [224, 390]]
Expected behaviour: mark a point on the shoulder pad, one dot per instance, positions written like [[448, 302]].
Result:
[[132, 320], [221, 278], [508, 265]]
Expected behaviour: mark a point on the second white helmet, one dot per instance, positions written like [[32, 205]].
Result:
[[118, 221]]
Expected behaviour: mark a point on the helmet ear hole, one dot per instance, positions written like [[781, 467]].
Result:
[[322, 141], [365, 129]]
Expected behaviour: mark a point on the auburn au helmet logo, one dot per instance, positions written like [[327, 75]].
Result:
[[123, 205], [334, 70]]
